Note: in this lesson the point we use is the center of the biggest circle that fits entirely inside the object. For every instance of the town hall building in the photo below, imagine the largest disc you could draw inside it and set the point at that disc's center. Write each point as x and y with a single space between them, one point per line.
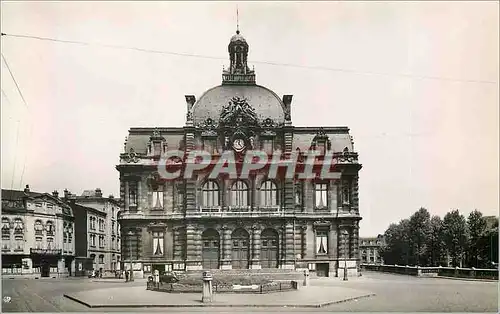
203 223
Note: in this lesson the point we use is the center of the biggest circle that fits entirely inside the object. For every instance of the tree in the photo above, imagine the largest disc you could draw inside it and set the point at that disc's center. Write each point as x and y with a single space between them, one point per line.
419 234
455 236
436 242
396 250
476 227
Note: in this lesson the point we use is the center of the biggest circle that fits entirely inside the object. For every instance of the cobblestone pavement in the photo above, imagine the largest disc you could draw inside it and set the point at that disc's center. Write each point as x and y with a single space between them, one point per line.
393 293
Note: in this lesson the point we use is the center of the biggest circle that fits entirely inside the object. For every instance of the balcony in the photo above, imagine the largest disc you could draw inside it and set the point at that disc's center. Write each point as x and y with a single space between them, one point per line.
46 251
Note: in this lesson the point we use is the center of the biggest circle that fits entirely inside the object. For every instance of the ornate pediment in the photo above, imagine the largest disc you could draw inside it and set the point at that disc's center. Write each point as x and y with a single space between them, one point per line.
131 156
209 127
238 113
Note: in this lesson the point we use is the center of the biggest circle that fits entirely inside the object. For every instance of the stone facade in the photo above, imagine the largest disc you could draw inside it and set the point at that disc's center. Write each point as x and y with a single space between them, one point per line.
97 231
224 223
38 237
369 249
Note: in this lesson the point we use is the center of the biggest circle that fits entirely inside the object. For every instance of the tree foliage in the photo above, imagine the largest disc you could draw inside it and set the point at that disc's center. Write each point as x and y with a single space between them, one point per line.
452 241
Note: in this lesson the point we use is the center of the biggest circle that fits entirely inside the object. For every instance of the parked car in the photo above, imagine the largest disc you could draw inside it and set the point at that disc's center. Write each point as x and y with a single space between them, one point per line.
168 277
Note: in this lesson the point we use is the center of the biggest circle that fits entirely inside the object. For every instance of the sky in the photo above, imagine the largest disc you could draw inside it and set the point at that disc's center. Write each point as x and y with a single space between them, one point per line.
416 83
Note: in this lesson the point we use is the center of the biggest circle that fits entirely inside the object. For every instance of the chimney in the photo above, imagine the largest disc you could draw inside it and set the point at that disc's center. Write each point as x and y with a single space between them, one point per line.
190 100
27 189
98 192
55 193
66 193
111 196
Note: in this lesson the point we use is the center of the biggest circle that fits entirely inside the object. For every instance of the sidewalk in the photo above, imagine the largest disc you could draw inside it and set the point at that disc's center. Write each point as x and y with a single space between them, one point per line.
138 296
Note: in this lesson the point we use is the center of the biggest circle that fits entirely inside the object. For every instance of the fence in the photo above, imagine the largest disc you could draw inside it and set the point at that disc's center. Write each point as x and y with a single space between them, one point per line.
457 272
226 288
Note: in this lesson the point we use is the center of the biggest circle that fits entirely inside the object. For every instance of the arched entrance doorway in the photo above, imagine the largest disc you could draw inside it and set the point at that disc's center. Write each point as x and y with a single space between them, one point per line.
241 250
210 252
269 249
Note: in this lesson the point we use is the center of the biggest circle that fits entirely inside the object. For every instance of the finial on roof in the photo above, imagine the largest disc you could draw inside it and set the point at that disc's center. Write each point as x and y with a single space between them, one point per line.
237 21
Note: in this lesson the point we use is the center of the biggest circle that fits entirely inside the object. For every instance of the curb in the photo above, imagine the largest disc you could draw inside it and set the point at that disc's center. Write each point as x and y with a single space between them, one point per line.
320 305
467 279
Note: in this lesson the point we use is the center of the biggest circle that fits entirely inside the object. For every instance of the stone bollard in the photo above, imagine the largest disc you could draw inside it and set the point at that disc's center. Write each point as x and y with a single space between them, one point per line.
306 278
207 287
156 278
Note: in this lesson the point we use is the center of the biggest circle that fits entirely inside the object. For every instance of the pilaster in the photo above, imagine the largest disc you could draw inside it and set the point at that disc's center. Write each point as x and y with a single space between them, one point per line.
255 262
289 239
226 249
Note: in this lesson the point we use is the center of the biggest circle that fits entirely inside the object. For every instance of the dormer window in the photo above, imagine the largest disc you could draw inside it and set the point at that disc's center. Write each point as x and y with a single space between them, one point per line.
267 145
346 192
5 228
132 193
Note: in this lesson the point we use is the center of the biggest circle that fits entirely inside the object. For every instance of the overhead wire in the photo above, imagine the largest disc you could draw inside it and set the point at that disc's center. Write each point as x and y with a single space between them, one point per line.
323 68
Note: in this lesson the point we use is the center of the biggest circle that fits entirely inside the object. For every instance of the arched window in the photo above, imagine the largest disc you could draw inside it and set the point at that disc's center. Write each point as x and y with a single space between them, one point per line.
210 194
268 194
38 227
239 194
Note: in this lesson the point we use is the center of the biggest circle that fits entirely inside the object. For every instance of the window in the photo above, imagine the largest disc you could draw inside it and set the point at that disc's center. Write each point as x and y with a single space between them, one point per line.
101 225
50 243
210 145
239 194
113 243
50 206
158 243
65 237
132 193
158 196
321 147
49 227
92 240
5 228
210 194
101 241
112 227
268 194
321 195
38 227
18 226
19 243
101 259
321 242
268 145
38 243
38 204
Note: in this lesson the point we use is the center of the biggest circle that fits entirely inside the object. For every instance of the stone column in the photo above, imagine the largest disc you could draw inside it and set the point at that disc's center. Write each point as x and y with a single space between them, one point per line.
191 248
199 248
127 190
226 249
289 237
304 241
256 247
179 243
355 194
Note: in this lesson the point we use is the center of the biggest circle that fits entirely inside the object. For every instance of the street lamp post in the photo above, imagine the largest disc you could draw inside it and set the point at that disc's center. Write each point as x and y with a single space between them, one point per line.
131 276
345 233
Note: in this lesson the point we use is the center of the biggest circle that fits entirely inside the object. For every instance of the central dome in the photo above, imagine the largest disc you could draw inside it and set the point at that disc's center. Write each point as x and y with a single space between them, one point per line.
265 102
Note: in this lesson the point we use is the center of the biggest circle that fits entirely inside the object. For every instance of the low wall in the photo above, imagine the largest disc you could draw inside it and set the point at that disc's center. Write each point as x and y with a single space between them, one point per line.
226 288
476 273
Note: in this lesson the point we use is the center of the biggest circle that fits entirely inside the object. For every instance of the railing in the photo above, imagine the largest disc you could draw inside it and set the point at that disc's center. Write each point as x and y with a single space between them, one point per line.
237 78
457 272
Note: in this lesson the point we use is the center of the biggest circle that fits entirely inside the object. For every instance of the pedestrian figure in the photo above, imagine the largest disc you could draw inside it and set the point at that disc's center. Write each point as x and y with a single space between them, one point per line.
126 275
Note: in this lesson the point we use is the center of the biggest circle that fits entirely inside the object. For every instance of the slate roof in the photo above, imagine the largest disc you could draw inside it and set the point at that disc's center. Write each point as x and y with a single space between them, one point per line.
265 102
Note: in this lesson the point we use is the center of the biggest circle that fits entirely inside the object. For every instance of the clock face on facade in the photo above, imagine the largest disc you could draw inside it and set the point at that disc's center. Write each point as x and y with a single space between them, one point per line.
239 144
